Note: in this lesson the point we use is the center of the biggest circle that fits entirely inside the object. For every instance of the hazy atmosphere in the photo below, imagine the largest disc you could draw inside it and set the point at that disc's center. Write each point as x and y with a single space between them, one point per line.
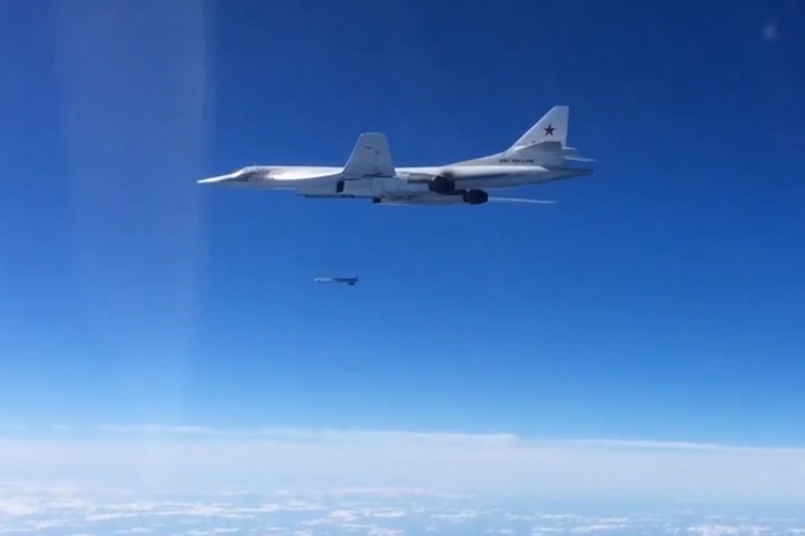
166 355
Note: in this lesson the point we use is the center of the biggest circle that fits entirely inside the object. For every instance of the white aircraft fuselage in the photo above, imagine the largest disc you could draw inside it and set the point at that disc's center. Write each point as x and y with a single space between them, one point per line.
539 156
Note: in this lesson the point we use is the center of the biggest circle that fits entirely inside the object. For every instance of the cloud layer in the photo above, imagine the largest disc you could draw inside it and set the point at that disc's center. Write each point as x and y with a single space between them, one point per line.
51 512
193 456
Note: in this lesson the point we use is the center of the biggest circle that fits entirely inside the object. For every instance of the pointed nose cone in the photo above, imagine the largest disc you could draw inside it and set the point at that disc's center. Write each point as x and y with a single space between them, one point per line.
220 178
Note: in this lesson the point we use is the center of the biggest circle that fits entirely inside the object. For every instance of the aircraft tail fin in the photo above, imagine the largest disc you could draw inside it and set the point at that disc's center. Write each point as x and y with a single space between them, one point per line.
552 127
545 143
370 157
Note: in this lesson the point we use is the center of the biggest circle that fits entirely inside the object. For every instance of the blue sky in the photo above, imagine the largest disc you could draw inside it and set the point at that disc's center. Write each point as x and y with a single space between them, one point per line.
661 299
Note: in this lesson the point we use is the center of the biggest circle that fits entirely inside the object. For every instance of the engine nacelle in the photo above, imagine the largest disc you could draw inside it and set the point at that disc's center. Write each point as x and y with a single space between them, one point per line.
475 197
441 185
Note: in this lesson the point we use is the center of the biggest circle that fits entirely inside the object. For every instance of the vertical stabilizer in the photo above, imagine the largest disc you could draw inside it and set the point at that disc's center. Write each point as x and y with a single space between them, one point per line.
552 127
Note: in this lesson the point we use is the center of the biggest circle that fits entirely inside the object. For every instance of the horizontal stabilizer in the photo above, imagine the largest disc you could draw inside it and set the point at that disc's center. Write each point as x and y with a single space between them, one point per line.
571 153
370 157
546 146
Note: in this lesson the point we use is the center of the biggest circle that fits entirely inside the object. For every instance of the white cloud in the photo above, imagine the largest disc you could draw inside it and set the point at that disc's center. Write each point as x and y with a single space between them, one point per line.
559 517
389 493
344 515
17 507
388 514
457 517
189 457
382 513
540 530
210 532
728 530
597 527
